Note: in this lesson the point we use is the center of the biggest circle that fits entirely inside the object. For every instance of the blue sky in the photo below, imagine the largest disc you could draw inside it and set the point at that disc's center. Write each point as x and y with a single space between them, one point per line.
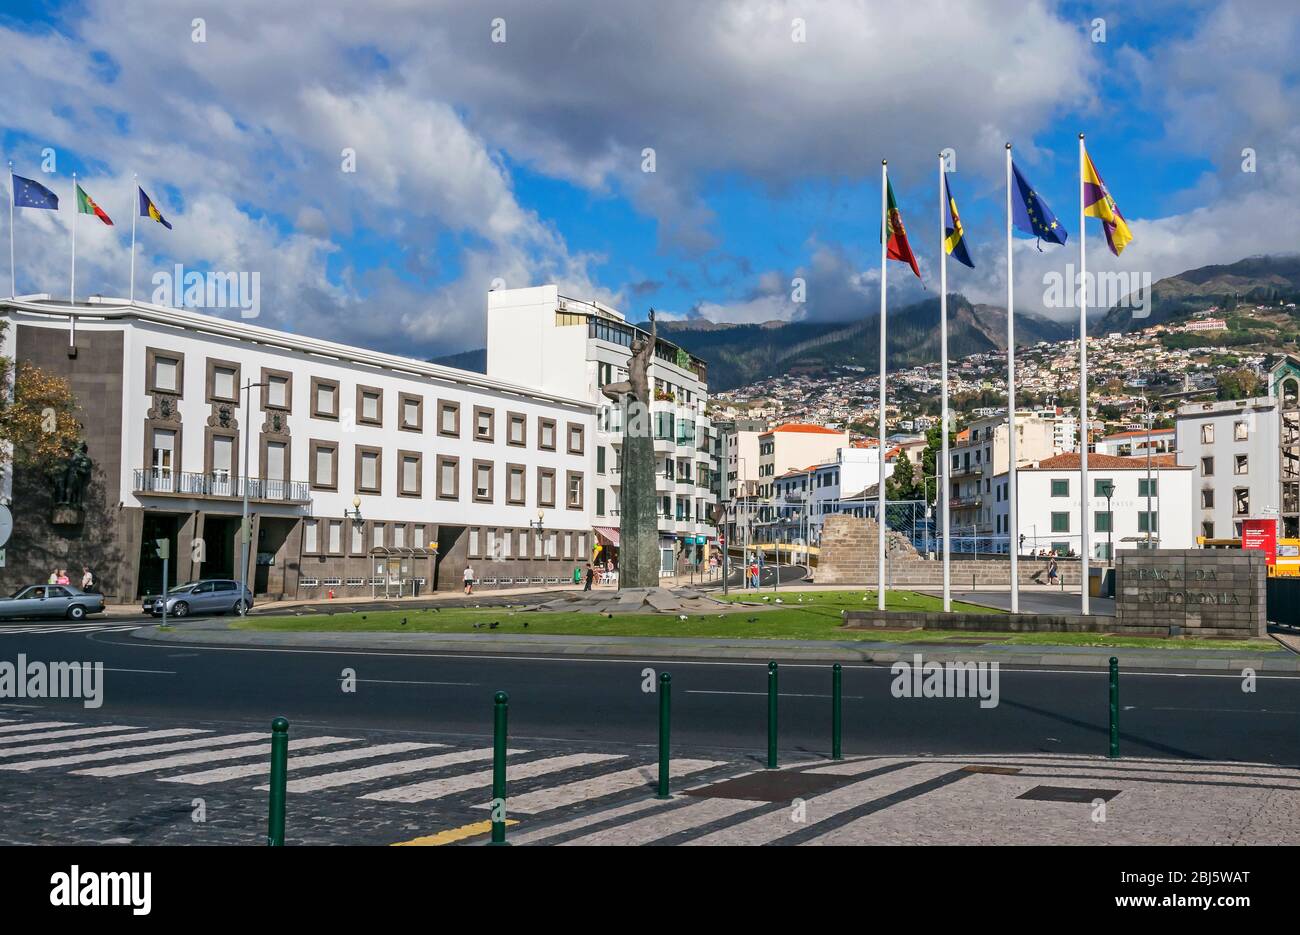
523 160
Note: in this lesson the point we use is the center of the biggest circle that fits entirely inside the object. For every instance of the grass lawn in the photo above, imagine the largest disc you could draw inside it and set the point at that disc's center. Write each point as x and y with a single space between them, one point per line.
810 615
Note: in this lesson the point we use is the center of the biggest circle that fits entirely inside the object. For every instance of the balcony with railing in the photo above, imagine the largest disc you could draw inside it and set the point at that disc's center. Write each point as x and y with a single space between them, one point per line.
218 485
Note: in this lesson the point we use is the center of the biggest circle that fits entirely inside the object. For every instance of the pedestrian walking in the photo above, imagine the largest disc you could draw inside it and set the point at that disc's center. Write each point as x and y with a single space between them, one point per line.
63 577
1051 570
87 579
469 579
591 576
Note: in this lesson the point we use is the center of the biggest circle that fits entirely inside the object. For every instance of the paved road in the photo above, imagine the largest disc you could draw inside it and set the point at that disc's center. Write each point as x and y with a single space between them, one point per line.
588 727
1033 600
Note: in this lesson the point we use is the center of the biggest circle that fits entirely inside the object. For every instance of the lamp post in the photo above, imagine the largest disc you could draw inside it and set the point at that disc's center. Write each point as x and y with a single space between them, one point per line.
244 544
1108 490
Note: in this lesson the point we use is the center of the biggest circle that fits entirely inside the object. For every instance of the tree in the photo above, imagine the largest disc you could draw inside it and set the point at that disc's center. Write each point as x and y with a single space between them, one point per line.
38 424
901 485
930 458
1242 383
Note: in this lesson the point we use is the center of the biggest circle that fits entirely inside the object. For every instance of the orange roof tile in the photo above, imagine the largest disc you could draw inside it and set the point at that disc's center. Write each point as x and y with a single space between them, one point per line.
1070 462
803 427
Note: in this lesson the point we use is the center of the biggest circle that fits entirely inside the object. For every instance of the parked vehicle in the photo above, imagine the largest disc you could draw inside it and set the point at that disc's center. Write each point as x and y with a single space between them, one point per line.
50 600
209 596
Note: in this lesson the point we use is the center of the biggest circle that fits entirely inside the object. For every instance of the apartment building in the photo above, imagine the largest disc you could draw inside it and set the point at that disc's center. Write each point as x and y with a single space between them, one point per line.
1233 449
1138 442
363 469
804 498
980 454
1124 505
572 348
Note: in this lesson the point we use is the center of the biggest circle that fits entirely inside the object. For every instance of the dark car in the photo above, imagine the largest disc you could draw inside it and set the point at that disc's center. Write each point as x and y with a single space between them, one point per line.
208 596
50 600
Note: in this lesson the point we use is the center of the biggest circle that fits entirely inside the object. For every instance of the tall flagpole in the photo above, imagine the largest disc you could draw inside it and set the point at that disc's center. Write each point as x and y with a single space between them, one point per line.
13 276
943 379
1013 528
135 210
72 291
880 490
1084 498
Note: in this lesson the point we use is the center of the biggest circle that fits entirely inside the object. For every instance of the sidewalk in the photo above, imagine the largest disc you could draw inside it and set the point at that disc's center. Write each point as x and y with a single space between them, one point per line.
216 632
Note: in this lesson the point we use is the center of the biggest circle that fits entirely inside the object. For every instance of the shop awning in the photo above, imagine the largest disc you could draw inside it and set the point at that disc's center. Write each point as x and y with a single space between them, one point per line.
608 533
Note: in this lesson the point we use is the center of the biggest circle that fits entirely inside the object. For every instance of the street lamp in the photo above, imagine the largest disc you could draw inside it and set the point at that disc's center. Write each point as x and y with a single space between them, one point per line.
354 514
1108 490
243 526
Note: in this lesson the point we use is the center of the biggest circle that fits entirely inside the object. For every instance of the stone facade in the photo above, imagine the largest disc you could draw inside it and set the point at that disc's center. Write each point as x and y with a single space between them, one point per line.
1194 592
849 556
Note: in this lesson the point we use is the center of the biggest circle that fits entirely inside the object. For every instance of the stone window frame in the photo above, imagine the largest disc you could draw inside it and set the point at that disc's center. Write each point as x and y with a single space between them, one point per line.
358 453
543 472
155 425
352 525
317 383
362 392
581 429
1052 521
402 455
267 374
317 523
382 526
454 406
402 424
313 446
343 537
473 542
544 423
151 355
475 497
210 380
569 477
443 461
492 424
1207 433
513 419
264 443
522 470
210 433
1059 480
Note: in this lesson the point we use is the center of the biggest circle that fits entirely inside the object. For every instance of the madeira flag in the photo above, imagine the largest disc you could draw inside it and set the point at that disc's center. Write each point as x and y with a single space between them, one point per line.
149 210
897 247
1097 203
86 205
954 235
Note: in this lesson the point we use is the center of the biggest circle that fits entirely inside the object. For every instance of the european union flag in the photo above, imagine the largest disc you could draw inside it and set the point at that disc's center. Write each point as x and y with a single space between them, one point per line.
1032 215
32 194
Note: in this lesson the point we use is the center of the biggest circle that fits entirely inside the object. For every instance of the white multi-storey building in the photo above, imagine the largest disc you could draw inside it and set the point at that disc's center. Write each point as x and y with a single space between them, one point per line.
1232 448
360 468
573 348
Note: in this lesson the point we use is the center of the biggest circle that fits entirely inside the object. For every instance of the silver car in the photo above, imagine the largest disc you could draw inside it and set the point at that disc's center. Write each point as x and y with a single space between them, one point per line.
50 600
209 596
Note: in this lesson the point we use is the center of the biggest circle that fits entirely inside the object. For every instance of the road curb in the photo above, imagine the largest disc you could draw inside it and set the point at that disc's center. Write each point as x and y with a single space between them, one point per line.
615 647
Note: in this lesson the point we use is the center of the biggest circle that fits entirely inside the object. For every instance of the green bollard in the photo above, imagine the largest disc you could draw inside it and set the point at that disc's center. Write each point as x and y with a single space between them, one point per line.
665 708
500 709
837 719
279 778
1114 708
771 715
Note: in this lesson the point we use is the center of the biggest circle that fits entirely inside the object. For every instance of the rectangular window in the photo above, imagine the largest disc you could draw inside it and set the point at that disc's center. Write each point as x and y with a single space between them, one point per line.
1146 520
1207 434
448 478
546 487
223 456
517 432
358 538
1239 431
472 548
448 418
1102 485
324 398
600 459
577 438
1147 487
504 543
1241 501
411 413
573 489
1207 529
418 541
166 374
1060 488
277 391
377 535
1207 499
1241 464
1060 522
1207 467
276 454
482 481
483 423
399 536
310 545
546 434
600 501
370 405
515 479
336 536
369 468
324 465
1101 521
409 482
224 380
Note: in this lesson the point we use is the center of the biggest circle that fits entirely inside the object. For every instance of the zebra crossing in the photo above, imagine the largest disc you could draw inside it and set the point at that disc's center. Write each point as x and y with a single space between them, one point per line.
104 626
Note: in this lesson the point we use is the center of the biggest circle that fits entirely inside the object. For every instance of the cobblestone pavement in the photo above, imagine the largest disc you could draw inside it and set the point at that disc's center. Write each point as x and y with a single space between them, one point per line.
87 780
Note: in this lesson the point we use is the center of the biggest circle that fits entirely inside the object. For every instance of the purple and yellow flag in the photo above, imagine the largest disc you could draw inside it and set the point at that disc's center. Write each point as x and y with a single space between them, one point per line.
1097 203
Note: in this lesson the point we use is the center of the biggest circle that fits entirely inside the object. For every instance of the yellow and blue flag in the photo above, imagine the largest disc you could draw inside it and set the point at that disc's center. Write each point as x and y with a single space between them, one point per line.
1031 214
149 210
954 235
1097 203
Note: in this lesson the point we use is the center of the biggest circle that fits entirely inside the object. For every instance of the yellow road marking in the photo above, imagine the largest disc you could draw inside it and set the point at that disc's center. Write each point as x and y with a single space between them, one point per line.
452 835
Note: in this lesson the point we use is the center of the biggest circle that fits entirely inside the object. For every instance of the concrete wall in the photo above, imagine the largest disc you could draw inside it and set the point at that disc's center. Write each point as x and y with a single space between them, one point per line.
1194 592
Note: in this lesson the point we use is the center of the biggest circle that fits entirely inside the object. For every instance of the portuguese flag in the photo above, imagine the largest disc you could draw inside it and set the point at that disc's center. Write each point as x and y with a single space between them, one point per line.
897 247
86 205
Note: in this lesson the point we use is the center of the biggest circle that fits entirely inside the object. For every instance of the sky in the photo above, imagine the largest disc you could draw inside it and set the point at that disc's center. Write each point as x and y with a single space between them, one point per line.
382 166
